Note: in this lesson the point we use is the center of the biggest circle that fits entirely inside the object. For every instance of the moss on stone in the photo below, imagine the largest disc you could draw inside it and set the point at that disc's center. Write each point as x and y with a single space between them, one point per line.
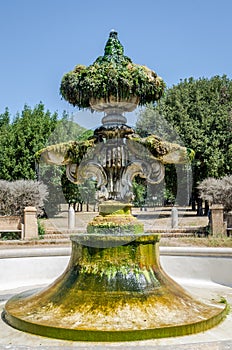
111 75
111 207
114 228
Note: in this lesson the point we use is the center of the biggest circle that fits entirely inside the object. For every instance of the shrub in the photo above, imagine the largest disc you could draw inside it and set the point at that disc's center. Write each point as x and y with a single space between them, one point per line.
41 229
217 191
16 195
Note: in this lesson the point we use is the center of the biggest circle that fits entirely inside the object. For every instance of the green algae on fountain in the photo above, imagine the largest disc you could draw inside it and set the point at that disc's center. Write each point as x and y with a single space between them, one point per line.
112 77
115 218
113 288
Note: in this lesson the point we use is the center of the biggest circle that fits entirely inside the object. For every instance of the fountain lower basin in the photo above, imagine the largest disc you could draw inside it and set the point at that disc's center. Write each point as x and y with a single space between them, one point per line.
113 289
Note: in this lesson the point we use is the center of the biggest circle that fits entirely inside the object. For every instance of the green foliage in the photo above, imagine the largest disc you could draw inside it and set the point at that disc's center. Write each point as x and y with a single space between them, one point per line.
83 193
20 140
166 152
139 191
77 150
31 130
79 194
10 236
41 229
51 175
6 150
86 135
71 191
113 50
88 191
150 121
66 129
4 119
200 112
111 75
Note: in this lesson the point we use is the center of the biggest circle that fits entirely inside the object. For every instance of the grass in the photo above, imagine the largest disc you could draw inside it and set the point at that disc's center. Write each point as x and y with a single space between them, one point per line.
210 241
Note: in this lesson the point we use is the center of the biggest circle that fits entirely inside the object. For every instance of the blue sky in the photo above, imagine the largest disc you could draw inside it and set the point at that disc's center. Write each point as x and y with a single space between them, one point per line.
43 39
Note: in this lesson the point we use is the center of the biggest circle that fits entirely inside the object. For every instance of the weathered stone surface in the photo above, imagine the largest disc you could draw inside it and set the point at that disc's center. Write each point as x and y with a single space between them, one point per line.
217 220
30 223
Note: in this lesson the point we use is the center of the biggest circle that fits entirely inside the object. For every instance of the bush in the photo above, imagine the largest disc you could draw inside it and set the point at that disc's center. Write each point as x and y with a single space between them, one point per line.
217 191
16 195
10 236
41 229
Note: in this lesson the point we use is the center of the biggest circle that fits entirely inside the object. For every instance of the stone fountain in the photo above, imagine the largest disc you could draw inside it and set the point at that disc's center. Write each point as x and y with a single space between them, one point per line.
114 288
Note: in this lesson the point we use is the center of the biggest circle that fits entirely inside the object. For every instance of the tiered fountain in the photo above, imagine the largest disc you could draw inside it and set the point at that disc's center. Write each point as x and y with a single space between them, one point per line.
114 288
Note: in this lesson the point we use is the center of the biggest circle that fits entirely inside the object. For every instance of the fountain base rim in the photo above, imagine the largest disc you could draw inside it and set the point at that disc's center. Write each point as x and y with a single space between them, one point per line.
218 313
114 335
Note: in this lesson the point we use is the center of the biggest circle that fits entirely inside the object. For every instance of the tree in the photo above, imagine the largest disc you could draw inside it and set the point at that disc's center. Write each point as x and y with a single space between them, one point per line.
4 119
31 130
27 133
139 191
150 121
88 192
66 129
60 189
200 112
6 148
71 192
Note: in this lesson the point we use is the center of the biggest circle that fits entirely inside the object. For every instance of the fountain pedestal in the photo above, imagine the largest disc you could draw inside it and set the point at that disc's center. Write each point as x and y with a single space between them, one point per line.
113 289
115 218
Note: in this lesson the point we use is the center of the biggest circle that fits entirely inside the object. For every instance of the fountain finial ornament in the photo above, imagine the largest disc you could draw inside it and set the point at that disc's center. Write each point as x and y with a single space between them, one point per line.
111 78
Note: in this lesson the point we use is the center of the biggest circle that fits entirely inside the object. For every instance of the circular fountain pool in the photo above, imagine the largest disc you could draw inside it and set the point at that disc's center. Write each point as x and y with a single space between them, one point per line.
204 272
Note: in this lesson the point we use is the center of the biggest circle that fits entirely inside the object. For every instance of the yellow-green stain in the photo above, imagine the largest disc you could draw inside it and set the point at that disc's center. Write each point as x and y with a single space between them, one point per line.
115 218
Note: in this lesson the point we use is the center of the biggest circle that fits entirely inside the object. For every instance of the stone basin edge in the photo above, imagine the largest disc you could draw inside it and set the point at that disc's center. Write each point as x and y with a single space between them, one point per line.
66 251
